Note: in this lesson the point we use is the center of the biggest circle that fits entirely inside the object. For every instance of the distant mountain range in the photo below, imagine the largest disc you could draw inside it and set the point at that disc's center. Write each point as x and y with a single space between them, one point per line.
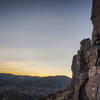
37 82
31 86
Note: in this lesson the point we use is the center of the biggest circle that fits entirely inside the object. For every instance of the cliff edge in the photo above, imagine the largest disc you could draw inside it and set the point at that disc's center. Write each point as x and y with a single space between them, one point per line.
85 66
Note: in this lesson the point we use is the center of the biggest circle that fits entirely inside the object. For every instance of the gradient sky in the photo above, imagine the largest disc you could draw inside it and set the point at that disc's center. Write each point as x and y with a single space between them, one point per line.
40 37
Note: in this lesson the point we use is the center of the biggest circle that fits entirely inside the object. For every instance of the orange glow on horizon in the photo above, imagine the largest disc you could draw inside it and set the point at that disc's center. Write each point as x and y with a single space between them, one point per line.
26 69
32 74
38 75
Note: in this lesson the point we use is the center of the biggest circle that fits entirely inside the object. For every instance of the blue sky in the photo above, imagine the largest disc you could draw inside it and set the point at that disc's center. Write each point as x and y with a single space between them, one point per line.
40 37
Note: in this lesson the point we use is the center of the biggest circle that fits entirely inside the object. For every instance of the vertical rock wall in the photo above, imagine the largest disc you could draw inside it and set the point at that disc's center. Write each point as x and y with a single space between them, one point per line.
80 69
95 17
86 64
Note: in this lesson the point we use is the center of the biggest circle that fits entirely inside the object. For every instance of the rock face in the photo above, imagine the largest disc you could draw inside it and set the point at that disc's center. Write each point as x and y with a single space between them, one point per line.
93 85
80 68
95 17
86 65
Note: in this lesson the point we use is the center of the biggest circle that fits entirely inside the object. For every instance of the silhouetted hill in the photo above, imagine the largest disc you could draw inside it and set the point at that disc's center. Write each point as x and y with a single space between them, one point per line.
37 82
16 86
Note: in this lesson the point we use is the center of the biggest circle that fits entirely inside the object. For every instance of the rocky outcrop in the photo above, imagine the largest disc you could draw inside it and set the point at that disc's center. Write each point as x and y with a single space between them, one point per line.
86 65
88 62
95 17
80 68
93 84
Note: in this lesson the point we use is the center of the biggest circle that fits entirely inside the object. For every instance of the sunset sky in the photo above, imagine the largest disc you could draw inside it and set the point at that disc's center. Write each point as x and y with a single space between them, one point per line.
40 37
